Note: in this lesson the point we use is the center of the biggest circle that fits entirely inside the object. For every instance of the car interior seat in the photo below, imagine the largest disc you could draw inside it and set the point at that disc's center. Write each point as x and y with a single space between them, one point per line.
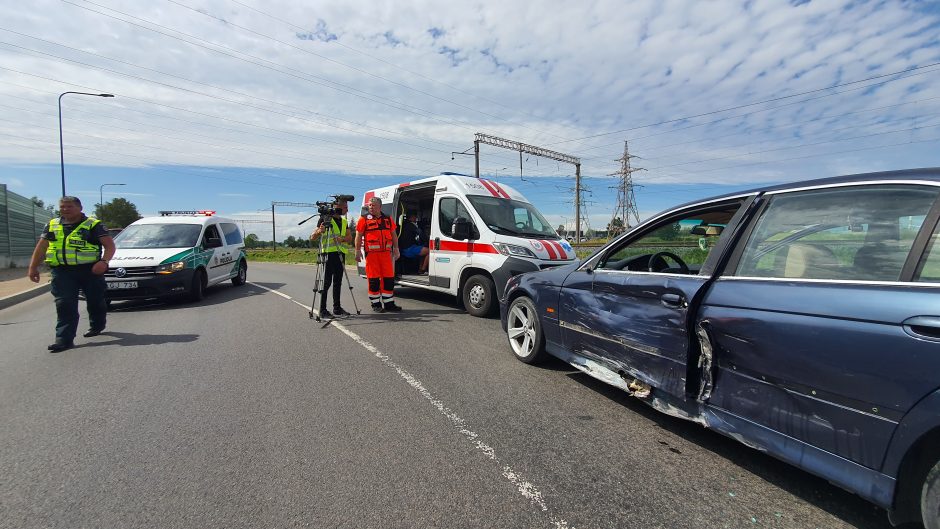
809 261
880 261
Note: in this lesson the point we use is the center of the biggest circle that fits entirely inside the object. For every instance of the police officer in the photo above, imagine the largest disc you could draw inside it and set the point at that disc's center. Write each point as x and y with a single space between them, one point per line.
334 247
375 233
72 245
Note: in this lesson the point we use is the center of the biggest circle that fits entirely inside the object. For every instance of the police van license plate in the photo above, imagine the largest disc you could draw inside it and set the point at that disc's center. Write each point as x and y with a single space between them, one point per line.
116 285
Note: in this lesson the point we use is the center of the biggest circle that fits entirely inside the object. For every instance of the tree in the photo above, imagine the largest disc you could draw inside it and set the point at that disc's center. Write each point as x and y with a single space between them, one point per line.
561 229
615 226
40 204
252 241
117 213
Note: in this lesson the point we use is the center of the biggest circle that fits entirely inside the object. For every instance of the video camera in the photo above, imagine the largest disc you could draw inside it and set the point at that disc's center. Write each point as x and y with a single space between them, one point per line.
332 208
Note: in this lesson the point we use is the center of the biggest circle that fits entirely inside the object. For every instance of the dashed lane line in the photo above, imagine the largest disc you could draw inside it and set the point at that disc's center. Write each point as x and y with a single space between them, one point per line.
524 487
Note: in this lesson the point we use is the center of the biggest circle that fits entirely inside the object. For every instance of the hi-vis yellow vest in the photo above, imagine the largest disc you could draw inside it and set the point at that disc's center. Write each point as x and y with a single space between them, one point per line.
329 242
74 249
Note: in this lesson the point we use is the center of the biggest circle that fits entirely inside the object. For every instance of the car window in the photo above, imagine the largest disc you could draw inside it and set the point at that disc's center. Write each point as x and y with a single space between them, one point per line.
690 237
158 236
929 268
450 209
851 233
211 233
231 232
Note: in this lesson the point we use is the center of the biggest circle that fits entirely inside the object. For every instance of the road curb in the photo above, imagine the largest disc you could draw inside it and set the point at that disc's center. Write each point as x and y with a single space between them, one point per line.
9 301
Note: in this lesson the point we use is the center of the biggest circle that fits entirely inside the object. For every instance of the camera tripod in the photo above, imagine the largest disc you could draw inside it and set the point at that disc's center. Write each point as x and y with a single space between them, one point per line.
320 270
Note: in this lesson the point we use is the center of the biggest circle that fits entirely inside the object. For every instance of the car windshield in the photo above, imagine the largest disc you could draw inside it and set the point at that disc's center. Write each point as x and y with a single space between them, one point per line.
158 236
512 217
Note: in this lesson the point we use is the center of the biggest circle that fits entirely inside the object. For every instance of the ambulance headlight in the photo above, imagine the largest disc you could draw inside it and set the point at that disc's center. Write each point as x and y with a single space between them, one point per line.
169 268
512 249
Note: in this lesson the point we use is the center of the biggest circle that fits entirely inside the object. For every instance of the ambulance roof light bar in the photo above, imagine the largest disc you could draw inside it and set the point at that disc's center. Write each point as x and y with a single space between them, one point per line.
200 213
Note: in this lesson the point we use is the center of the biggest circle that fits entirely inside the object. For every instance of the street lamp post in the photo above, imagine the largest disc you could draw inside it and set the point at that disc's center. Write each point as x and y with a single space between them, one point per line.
101 193
61 150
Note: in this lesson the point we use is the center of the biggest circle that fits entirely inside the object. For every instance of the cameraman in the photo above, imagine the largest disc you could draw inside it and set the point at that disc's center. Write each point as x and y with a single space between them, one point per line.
334 247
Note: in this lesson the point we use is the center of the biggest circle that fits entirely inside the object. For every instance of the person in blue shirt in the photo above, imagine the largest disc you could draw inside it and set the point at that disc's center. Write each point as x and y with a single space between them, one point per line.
410 242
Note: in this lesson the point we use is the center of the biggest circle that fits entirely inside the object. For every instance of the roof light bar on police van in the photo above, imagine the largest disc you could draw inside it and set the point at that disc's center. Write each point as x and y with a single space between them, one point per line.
200 213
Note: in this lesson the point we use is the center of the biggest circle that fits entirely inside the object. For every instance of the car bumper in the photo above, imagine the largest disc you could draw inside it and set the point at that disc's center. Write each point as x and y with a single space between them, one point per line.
150 286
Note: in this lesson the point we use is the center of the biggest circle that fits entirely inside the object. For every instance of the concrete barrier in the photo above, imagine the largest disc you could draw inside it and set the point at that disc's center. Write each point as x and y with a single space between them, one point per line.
19 297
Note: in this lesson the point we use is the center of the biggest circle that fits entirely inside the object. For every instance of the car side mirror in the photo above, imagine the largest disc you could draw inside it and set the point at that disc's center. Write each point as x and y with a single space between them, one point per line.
213 242
461 229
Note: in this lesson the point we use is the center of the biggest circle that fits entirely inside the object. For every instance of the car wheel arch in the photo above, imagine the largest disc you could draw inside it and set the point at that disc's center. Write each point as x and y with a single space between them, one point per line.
920 457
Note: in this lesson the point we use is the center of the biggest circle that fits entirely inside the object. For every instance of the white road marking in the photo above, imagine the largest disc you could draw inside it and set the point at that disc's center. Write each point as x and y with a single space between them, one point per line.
525 488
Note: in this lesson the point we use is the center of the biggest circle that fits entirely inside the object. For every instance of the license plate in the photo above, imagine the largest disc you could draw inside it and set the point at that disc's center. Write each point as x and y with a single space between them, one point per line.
115 285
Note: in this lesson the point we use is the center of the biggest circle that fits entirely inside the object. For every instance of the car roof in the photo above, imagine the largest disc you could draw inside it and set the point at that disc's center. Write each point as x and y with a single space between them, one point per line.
182 219
931 174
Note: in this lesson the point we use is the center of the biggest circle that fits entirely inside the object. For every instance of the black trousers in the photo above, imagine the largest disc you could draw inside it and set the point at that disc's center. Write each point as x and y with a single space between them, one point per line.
66 282
333 275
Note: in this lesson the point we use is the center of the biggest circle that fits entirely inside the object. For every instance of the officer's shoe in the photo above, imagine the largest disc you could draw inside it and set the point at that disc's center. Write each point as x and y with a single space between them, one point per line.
338 311
392 307
60 346
376 307
93 332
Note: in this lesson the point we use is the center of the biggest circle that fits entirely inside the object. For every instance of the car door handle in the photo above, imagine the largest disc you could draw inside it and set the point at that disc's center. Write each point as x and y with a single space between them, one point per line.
923 327
673 300
437 243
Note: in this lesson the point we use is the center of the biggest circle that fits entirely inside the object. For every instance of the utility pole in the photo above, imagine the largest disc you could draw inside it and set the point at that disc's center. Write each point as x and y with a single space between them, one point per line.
538 151
626 201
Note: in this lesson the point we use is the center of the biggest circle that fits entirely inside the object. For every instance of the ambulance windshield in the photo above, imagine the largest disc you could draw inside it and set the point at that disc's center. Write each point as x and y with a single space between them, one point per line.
512 217
158 236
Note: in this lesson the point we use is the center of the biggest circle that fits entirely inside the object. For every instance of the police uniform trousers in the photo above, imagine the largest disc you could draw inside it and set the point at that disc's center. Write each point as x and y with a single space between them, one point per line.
381 274
67 280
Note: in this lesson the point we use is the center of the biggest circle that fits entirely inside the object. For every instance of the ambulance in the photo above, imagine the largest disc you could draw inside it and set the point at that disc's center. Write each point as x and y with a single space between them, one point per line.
479 233
178 254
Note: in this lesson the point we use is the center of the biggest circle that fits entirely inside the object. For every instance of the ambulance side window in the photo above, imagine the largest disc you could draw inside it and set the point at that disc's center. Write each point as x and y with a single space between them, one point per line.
450 209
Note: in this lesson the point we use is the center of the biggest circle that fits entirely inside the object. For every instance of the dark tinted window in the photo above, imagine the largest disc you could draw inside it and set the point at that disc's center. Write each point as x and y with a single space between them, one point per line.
211 233
450 209
232 233
849 233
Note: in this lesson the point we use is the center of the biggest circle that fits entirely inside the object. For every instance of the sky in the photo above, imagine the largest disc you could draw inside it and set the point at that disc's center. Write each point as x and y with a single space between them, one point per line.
231 105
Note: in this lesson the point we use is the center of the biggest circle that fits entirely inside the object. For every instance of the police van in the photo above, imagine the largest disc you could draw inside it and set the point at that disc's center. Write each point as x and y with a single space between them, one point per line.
178 254
479 233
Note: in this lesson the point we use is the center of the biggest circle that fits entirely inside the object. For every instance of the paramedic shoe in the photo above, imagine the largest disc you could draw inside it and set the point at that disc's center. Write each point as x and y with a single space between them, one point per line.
377 308
93 332
338 311
60 346
392 307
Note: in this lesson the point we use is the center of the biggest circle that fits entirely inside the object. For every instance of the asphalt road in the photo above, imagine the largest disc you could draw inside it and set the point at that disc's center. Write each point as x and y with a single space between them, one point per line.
240 411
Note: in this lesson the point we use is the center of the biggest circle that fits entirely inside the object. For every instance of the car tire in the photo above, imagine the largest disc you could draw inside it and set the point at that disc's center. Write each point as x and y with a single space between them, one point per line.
197 289
479 296
930 498
242 276
524 330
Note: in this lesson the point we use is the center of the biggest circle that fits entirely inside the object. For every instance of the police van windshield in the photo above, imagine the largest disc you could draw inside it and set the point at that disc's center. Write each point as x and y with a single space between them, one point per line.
512 217
158 236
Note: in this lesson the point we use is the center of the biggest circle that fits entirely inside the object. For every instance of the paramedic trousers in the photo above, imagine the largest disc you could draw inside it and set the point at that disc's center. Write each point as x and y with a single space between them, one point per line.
381 274
332 274
66 282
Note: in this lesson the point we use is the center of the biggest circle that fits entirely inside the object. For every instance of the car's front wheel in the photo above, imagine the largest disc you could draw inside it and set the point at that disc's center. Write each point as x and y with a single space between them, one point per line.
197 290
479 295
525 331
930 498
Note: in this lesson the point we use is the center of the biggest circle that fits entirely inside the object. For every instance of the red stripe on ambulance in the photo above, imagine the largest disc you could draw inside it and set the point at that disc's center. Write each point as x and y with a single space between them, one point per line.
489 187
467 247
561 251
550 249
498 188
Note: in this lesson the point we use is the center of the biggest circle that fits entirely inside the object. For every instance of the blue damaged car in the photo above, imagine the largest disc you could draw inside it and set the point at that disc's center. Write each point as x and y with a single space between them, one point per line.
802 320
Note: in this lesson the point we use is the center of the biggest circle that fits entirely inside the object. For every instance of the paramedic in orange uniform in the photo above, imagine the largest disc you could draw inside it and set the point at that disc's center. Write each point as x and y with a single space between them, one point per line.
375 235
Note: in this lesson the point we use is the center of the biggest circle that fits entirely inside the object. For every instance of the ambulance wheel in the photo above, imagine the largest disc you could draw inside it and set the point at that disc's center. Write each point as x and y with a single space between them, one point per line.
525 331
479 295
197 290
242 274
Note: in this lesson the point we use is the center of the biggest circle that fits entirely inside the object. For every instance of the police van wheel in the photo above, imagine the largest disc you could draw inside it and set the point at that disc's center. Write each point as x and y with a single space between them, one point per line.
479 296
930 498
242 274
197 290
